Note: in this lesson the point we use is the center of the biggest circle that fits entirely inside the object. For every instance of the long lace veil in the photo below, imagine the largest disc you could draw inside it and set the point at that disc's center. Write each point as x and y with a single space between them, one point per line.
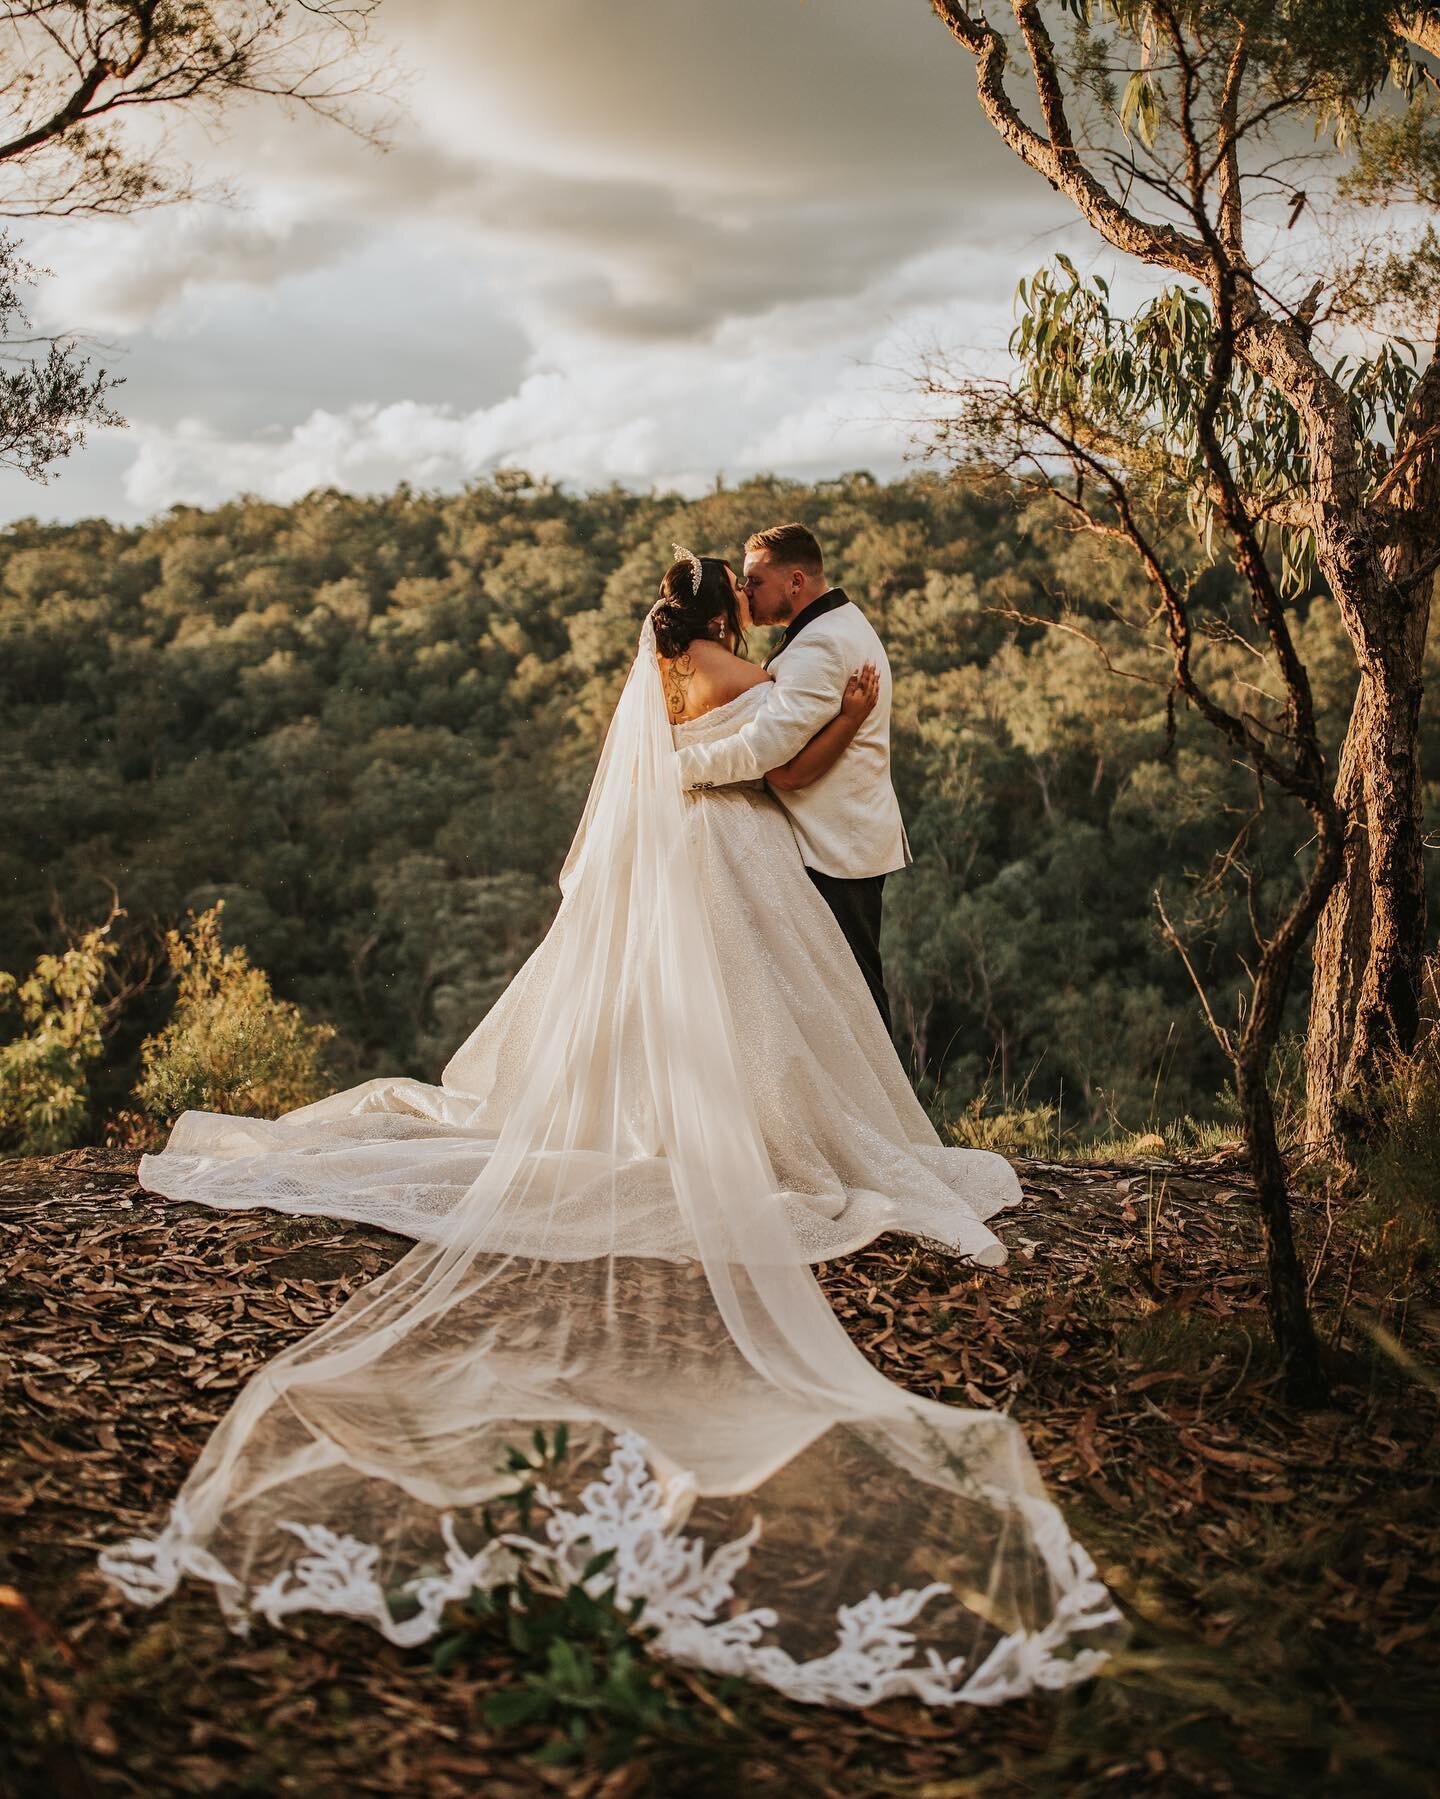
620 1267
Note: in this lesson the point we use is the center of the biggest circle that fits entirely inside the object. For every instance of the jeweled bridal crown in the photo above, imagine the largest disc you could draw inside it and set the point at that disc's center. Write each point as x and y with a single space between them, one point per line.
683 555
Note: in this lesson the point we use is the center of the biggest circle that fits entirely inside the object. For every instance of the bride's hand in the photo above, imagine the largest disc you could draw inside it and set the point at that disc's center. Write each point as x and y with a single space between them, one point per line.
861 692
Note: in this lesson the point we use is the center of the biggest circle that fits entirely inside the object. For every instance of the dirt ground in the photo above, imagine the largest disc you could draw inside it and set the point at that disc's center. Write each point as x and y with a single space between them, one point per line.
1281 1570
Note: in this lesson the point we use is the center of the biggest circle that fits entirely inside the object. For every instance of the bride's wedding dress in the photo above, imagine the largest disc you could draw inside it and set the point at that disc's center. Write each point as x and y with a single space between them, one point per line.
852 1150
684 1097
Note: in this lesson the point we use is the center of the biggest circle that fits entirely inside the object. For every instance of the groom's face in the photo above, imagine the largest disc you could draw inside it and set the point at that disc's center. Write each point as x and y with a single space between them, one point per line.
772 588
742 599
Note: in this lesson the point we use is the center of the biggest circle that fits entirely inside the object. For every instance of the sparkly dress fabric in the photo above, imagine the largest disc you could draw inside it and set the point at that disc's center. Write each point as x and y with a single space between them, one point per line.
853 1151
684 1098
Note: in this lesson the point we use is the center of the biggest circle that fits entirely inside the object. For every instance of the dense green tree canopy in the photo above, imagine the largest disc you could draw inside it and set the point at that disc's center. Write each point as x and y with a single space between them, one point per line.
368 725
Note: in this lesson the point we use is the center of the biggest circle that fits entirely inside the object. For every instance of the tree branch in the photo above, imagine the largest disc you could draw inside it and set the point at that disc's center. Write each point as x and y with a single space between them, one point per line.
1224 278
1227 157
1176 942
1419 28
1273 349
1059 163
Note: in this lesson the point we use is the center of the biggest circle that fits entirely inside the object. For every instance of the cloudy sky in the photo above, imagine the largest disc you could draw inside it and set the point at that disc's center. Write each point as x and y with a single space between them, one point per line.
649 241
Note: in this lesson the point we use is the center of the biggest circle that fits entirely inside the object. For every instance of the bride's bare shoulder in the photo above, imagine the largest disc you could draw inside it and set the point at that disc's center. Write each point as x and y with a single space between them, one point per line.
705 675
721 675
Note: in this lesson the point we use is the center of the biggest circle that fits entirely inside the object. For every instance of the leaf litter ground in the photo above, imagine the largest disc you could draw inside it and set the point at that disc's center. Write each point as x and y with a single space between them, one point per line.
1280 1569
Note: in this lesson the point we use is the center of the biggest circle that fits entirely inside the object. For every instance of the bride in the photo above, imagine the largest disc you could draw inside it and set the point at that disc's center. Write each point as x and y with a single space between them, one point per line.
683 1099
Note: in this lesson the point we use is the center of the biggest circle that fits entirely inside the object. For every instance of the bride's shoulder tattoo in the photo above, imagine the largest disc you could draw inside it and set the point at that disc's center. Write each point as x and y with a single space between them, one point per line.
678 676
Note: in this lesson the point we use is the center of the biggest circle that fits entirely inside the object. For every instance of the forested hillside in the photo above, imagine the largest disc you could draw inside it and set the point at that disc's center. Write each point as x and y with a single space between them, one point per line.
368 725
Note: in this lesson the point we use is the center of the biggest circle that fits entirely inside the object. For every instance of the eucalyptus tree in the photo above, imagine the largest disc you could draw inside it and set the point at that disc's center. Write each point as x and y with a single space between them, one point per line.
1277 162
47 401
76 79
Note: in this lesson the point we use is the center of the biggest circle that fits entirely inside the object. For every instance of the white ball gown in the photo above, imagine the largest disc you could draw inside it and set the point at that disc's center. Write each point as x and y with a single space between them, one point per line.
683 1099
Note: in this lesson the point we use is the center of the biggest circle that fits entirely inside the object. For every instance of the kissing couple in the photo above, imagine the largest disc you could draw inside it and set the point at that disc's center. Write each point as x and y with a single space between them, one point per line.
685 1098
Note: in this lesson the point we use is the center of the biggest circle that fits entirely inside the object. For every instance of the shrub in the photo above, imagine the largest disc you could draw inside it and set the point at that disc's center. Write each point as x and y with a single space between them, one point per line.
230 1045
44 1098
1018 1130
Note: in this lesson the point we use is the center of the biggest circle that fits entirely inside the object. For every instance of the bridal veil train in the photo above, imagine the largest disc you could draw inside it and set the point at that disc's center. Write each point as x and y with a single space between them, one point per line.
615 1213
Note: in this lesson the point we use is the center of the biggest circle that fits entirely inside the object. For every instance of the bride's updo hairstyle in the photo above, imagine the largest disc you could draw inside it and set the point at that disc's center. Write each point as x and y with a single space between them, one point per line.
682 614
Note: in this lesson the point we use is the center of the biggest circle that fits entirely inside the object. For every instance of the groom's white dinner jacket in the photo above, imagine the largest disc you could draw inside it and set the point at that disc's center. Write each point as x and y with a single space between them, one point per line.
848 822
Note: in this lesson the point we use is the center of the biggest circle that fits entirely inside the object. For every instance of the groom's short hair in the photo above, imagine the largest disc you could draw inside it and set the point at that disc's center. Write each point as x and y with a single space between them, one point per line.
793 545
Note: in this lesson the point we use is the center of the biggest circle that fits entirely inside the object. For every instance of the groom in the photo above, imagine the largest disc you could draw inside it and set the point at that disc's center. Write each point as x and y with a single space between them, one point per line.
848 822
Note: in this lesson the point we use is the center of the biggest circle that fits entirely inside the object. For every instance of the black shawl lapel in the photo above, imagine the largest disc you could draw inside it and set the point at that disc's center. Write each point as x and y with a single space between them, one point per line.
827 602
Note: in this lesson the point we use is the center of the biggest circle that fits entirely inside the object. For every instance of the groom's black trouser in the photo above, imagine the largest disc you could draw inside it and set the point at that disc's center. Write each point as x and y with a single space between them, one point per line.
856 905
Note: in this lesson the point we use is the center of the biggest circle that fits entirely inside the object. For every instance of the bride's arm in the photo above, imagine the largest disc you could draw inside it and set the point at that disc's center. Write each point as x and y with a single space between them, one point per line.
829 743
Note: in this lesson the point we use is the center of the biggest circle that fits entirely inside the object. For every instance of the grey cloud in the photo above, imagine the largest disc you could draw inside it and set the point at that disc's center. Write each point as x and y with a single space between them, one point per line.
645 256
711 152
182 252
654 267
638 258
652 171
723 175
797 96
379 327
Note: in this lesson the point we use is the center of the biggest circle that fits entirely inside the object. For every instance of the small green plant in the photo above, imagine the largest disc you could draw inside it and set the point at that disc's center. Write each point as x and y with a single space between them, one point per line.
231 1045
1021 1131
579 1665
577 1657
1286 1077
44 1097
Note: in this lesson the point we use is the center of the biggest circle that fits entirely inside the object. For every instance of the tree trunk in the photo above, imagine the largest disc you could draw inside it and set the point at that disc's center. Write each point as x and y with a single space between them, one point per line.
1285 1295
1370 943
